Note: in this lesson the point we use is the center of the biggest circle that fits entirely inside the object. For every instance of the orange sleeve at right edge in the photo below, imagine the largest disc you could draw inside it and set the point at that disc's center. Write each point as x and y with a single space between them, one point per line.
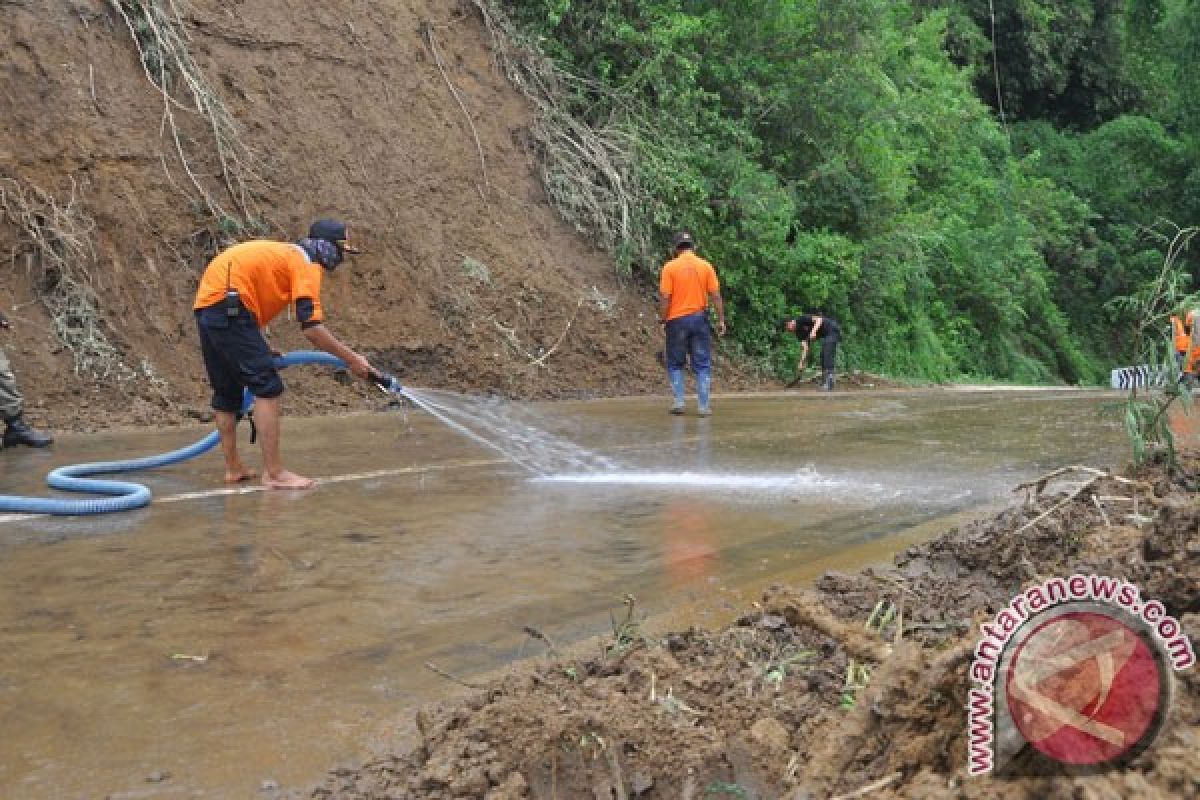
306 282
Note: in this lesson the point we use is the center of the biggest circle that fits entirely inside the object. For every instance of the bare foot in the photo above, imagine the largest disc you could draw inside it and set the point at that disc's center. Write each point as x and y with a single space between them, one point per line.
287 480
239 475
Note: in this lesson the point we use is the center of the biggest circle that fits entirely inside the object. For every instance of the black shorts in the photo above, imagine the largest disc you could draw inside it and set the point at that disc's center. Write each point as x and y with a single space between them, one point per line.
236 357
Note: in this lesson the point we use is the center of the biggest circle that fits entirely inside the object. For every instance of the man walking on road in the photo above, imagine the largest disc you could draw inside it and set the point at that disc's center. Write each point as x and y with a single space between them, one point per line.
242 290
687 285
16 430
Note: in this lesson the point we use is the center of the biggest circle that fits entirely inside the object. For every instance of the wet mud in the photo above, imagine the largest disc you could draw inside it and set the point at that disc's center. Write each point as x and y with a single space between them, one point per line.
762 709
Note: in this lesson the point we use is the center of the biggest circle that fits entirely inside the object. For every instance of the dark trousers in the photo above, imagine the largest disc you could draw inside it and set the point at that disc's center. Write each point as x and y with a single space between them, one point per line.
691 337
829 352
236 357
10 395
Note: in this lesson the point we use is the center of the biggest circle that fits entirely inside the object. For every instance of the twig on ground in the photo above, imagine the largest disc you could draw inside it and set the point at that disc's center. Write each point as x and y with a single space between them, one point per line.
510 338
449 677
536 634
92 86
913 627
870 787
1065 501
1039 484
540 360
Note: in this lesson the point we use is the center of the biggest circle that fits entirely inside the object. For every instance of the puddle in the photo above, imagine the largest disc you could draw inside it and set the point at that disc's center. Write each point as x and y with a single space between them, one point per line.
230 637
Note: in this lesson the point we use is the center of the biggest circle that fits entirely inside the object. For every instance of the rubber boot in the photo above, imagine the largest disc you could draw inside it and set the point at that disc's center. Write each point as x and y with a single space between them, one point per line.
827 381
703 387
19 432
676 376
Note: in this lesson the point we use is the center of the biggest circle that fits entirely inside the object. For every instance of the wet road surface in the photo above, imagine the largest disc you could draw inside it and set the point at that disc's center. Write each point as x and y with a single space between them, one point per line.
223 638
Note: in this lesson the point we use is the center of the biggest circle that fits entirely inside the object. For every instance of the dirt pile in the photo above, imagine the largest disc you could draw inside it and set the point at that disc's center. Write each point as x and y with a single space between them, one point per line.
390 115
860 682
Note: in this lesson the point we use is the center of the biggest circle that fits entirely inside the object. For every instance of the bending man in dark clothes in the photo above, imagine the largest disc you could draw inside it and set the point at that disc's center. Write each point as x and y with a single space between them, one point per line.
808 327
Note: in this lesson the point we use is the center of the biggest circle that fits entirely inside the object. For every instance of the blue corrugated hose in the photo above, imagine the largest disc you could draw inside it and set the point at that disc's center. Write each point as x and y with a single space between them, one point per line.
127 496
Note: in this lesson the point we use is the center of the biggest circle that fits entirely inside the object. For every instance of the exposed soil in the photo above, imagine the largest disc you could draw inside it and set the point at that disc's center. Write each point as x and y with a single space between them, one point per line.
759 709
469 281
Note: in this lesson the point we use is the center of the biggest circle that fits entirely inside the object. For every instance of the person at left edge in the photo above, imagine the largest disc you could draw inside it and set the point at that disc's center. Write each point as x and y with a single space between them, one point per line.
243 288
16 429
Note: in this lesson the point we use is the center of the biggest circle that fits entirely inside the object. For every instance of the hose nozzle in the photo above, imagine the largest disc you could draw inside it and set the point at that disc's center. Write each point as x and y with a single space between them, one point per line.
386 382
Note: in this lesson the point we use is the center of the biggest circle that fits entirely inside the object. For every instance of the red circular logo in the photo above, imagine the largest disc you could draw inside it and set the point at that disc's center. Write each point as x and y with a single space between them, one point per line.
1084 688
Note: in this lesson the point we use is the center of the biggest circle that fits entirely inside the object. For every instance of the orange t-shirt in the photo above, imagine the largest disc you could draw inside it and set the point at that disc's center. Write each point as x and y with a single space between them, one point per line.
268 276
688 279
1182 335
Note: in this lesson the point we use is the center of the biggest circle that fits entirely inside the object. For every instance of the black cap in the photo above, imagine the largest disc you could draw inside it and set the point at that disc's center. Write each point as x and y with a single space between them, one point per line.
683 239
331 230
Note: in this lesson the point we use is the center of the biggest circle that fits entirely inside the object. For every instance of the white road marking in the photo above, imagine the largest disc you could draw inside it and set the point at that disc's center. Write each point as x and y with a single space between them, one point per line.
250 489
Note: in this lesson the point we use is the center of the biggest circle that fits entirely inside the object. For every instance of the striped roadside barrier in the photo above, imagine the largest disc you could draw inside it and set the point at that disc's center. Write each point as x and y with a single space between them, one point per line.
1140 377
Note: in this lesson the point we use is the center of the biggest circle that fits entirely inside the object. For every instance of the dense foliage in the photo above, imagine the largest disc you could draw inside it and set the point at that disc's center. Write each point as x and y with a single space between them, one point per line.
962 210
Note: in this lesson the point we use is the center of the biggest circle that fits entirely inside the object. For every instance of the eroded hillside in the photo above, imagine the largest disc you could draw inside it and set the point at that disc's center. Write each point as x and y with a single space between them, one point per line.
391 115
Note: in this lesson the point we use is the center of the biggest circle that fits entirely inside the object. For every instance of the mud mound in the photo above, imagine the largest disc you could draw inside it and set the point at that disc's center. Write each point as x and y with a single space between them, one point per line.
860 682
391 115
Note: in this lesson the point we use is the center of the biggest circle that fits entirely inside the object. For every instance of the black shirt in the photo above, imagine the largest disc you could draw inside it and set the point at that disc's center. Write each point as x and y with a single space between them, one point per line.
829 327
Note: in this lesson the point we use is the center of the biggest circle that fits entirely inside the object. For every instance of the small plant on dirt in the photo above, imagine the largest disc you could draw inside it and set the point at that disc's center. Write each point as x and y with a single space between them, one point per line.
721 789
857 678
592 742
776 671
476 270
881 616
627 633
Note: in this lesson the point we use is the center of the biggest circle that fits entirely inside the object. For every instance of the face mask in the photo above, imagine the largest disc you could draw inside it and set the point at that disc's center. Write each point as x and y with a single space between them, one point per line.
323 251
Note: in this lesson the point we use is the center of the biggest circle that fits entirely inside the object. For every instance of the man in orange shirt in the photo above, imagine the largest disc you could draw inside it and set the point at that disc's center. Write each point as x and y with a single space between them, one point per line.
686 286
1181 334
241 291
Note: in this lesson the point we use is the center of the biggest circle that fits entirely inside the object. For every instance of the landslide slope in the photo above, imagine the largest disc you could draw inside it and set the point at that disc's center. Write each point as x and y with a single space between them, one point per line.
391 115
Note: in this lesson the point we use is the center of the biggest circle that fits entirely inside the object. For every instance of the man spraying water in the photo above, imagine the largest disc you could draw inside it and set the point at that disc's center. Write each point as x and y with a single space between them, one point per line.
241 291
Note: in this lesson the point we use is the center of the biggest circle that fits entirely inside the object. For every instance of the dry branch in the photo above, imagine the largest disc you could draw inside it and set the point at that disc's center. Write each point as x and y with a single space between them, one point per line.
54 238
163 44
1039 484
540 361
870 787
450 677
431 40
1064 502
589 171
